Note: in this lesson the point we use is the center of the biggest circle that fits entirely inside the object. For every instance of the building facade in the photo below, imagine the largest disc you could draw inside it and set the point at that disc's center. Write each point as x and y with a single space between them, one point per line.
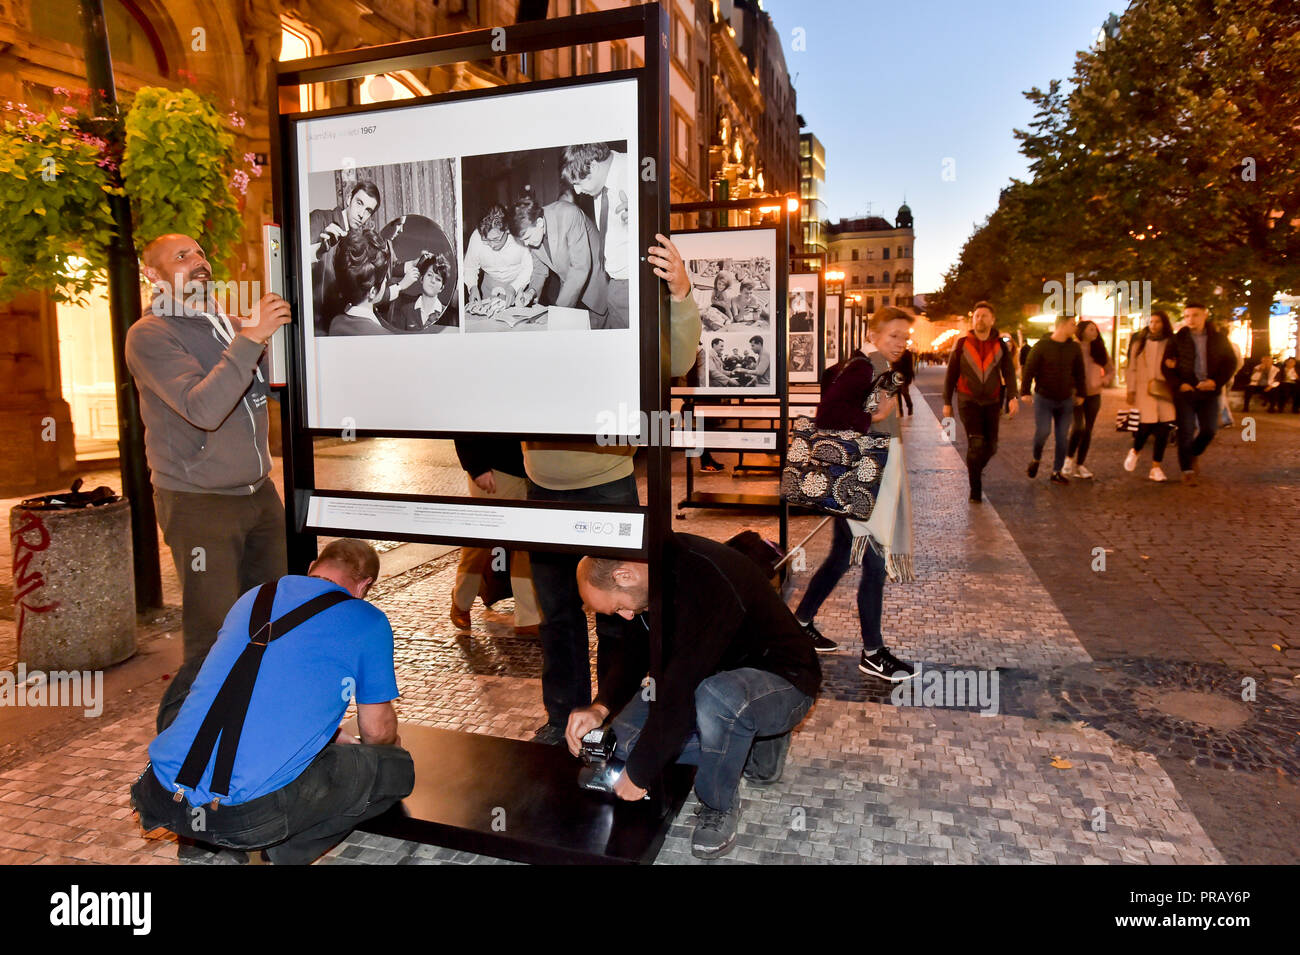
812 180
875 257
732 134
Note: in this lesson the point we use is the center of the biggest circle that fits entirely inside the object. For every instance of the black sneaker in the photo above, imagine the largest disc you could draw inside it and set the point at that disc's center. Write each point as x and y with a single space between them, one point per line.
820 644
550 734
884 665
1032 470
715 832
1059 478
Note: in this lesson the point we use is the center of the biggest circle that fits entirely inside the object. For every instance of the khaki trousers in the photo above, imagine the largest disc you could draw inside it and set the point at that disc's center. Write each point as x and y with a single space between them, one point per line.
476 561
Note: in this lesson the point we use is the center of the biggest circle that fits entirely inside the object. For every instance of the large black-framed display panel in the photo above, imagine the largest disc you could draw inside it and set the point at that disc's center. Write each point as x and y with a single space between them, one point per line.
773 408
813 283
651 211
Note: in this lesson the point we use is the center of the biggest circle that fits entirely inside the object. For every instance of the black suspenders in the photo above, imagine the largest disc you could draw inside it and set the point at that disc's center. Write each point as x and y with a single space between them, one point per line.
229 708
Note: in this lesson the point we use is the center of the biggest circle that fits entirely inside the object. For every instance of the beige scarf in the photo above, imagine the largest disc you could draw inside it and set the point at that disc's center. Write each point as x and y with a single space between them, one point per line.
888 530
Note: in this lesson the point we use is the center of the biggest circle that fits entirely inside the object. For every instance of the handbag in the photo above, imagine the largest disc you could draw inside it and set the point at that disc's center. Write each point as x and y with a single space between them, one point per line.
1160 389
839 472
1127 420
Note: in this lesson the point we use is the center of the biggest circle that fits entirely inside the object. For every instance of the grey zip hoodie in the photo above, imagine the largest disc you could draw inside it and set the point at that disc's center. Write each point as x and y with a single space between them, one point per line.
203 405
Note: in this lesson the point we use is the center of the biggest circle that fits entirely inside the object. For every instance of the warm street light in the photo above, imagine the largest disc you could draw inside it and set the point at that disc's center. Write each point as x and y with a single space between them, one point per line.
792 204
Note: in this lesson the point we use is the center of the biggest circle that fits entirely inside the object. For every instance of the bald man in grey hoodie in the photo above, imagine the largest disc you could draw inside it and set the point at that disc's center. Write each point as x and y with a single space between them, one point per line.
203 394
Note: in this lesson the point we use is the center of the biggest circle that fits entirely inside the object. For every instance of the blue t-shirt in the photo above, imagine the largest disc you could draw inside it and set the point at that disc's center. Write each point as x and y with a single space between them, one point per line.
306 681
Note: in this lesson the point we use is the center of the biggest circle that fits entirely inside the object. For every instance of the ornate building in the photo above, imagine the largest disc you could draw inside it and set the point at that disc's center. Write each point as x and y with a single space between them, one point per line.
875 257
732 122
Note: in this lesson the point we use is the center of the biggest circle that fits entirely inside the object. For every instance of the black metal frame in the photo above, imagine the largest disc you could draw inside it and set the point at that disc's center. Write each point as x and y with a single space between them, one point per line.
648 22
762 502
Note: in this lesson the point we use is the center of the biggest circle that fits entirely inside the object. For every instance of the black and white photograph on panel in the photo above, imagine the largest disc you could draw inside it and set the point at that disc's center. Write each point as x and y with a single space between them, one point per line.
546 238
802 323
510 211
381 243
733 279
832 329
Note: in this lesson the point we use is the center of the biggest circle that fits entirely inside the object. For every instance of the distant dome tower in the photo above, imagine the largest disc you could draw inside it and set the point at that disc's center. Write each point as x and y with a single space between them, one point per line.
904 220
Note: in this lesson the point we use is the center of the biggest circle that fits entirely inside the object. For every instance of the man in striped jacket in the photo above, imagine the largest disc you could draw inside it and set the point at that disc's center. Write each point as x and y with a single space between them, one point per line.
983 373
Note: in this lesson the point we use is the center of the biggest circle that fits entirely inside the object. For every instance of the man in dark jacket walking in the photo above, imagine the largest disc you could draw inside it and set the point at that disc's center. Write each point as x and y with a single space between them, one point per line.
1198 363
983 374
1055 372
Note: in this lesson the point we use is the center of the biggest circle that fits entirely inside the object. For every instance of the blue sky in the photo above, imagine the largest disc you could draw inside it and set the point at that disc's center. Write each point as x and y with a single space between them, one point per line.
892 89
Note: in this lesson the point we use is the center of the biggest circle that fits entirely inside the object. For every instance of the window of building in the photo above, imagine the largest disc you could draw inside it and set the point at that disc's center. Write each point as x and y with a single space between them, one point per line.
871 303
681 41
857 280
298 41
854 254
681 137
871 253
884 253
885 277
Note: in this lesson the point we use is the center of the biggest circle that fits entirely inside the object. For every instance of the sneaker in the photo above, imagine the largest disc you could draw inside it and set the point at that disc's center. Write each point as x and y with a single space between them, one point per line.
1131 460
715 832
820 644
1032 470
1068 467
1080 471
1157 474
460 618
550 734
766 761
883 664
1059 478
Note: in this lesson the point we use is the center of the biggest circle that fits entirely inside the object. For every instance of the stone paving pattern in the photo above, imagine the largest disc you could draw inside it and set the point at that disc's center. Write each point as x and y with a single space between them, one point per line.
867 781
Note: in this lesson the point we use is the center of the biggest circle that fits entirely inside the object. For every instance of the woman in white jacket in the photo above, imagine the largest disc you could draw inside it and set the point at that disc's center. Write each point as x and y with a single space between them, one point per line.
1149 392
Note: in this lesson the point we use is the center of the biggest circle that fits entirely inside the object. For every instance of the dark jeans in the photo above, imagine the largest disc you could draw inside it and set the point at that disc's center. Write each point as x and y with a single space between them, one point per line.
566 659
223 545
1161 432
1085 416
981 424
341 788
871 588
1052 414
736 711
1198 420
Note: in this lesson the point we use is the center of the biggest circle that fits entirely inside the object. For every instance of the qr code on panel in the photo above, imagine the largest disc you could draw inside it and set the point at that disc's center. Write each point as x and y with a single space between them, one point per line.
624 530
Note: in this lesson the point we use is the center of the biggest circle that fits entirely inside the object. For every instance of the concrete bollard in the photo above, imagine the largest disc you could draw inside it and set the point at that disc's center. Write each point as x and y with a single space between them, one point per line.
74 586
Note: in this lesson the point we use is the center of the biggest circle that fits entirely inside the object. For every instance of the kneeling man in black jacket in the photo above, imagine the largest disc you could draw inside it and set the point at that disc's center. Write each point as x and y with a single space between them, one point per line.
739 673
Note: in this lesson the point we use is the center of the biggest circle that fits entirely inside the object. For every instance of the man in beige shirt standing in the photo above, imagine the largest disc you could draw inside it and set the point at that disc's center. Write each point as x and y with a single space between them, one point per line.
570 472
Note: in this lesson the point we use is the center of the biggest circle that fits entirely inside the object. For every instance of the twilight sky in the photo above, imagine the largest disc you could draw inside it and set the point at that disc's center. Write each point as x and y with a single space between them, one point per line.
892 89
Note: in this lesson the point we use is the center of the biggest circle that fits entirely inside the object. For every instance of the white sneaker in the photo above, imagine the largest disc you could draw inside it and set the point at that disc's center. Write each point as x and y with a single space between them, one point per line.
1157 474
1081 472
1131 460
1067 469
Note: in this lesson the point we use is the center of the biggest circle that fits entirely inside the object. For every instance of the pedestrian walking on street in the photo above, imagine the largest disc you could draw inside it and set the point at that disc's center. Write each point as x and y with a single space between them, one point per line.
906 366
1288 388
1150 393
841 408
982 373
1054 370
1098 373
1198 363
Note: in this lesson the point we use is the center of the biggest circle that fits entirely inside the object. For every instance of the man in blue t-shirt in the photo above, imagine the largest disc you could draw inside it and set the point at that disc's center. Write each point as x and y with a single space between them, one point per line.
288 784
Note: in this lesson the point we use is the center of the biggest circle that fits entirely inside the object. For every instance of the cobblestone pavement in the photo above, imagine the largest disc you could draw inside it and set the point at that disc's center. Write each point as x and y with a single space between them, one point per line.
870 778
1196 607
